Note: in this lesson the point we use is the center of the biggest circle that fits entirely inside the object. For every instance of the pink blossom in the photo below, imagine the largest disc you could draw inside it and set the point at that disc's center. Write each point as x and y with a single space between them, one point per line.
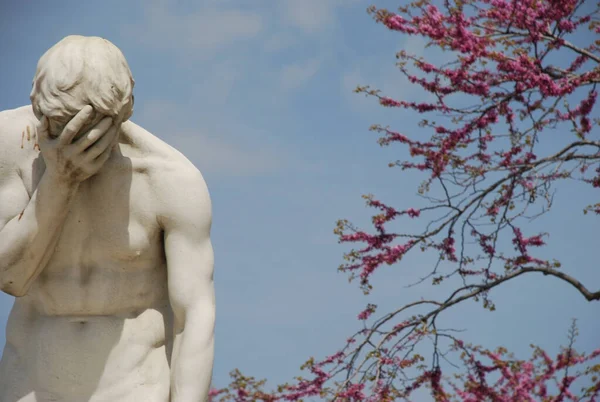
366 313
413 213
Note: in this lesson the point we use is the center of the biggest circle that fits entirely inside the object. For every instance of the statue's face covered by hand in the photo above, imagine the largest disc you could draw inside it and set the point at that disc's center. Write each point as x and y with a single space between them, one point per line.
57 124
80 71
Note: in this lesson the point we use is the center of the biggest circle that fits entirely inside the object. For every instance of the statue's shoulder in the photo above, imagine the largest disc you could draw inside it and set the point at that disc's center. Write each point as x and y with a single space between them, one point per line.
19 118
18 137
162 158
169 171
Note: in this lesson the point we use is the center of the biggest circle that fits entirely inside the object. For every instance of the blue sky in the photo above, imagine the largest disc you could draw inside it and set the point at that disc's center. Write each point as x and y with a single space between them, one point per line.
258 95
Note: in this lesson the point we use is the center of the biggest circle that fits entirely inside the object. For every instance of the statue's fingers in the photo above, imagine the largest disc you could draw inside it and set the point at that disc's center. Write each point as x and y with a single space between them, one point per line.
42 129
76 124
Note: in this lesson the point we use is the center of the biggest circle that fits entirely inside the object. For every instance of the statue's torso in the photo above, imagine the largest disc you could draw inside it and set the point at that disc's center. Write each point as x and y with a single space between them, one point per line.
96 324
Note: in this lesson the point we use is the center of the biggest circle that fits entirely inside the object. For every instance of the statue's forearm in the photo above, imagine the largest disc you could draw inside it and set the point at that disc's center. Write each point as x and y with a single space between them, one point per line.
28 240
191 365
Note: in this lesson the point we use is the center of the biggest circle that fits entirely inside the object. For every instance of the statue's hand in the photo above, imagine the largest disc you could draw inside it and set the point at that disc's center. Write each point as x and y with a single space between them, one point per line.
74 161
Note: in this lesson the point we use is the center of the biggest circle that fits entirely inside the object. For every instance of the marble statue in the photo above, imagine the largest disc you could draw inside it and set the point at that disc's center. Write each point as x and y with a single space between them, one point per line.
104 242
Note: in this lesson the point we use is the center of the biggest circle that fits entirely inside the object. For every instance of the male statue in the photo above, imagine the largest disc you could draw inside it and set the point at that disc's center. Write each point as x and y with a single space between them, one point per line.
104 242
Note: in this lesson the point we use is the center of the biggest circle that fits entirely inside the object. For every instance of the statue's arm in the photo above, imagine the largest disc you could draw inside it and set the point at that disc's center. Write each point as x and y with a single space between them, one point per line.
190 262
29 227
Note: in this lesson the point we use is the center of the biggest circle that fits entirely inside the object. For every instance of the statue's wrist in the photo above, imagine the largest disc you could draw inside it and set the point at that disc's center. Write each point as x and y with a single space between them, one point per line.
62 182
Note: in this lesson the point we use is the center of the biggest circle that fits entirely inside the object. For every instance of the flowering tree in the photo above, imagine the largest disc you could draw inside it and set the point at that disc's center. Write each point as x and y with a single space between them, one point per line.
518 70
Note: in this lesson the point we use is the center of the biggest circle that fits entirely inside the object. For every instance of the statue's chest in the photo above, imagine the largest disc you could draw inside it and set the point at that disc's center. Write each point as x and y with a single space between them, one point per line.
111 224
109 255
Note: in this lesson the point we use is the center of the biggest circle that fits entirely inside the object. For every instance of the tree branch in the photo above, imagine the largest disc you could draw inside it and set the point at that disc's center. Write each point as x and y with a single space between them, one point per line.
571 46
590 296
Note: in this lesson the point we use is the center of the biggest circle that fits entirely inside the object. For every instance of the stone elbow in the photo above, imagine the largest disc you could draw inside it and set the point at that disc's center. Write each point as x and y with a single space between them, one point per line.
15 292
9 286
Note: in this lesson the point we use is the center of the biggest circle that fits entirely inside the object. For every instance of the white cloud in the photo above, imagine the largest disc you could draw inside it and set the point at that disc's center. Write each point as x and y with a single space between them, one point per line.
414 45
351 80
312 15
212 147
205 29
279 41
385 77
295 75
308 15
358 102
217 154
213 85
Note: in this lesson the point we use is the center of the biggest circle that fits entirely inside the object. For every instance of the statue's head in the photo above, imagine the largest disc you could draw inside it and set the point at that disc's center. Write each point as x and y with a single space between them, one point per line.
80 71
